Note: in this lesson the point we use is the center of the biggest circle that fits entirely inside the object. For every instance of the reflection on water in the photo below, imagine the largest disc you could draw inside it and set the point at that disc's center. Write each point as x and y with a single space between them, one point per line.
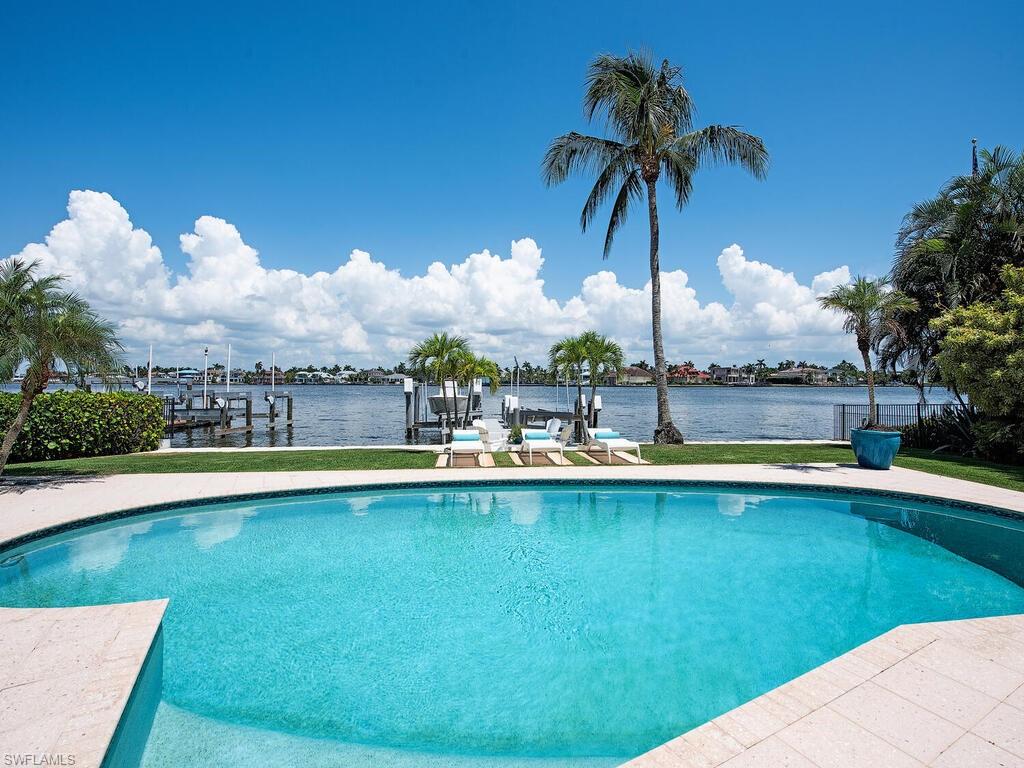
104 550
735 504
993 542
212 528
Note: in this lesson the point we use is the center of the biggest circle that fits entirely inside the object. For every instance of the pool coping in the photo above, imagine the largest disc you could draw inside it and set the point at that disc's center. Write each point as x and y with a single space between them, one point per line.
67 677
21 525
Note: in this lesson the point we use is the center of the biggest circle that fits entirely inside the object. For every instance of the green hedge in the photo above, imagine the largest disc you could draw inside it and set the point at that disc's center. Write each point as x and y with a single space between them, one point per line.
68 425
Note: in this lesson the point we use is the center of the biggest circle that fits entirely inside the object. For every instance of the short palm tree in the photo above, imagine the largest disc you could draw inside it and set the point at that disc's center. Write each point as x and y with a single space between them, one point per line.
41 327
469 368
567 358
650 116
436 356
871 311
603 357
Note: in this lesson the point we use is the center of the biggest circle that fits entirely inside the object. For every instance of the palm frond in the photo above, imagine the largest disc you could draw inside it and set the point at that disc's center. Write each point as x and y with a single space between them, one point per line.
631 190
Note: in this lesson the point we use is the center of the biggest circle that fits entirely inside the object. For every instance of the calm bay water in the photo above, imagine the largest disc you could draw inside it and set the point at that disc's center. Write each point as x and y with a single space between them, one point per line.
375 415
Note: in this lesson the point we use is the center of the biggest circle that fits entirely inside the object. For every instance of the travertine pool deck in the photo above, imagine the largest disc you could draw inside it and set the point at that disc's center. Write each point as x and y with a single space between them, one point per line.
66 675
947 694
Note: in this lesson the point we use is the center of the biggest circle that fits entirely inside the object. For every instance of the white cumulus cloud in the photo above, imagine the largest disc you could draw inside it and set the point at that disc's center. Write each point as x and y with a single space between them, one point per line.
365 312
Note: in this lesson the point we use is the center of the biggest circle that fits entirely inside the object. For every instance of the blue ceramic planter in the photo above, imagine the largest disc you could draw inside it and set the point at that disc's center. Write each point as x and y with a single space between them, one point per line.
873 449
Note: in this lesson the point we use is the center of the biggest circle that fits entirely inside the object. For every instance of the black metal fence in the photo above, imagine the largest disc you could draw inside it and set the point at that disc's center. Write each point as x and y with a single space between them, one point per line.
847 417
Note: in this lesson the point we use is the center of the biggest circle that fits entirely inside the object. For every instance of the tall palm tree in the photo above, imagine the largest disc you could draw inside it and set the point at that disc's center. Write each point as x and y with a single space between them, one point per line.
603 356
436 356
41 327
650 117
468 368
872 312
567 358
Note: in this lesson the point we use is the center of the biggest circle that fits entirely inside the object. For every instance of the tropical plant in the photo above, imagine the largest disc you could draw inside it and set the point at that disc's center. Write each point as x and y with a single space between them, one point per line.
603 357
650 118
69 424
41 327
957 243
468 368
870 309
982 349
567 358
950 252
437 356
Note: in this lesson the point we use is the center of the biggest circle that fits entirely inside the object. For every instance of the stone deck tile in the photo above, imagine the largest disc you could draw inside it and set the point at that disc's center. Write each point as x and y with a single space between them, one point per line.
67 676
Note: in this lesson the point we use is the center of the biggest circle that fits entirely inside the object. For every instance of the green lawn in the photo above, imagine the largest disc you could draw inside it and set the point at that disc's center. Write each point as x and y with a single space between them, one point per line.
231 461
1001 475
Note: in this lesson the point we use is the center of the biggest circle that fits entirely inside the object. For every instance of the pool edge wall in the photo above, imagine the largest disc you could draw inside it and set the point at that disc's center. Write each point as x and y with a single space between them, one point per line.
132 733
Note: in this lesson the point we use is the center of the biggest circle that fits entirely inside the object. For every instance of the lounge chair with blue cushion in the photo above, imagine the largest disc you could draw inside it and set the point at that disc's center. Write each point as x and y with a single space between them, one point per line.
465 441
539 441
608 440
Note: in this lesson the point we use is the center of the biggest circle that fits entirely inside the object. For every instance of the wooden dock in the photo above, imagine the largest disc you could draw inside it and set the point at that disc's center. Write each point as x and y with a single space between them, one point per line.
219 412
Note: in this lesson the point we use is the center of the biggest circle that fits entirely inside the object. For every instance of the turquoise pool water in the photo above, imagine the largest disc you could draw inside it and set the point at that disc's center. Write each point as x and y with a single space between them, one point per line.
508 625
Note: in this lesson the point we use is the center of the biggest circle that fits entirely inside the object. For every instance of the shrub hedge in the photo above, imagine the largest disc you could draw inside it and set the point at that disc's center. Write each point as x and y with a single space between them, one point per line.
69 425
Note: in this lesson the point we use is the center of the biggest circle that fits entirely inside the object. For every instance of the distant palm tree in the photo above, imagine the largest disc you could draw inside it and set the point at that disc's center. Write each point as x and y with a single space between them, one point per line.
436 356
41 326
603 356
871 311
567 358
650 116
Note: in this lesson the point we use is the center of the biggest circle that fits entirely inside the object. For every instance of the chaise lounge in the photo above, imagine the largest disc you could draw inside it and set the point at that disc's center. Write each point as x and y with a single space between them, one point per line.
609 441
539 441
465 442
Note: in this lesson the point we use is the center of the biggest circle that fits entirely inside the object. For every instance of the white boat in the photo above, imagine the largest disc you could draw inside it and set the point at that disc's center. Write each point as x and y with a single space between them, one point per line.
456 402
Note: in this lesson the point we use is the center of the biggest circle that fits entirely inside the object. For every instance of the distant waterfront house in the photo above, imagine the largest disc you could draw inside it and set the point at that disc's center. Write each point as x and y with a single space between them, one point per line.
633 375
687 374
841 377
731 374
816 376
189 374
314 377
265 378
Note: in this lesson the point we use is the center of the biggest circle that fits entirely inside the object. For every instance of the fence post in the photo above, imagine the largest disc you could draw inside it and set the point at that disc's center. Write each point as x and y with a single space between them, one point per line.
842 422
920 428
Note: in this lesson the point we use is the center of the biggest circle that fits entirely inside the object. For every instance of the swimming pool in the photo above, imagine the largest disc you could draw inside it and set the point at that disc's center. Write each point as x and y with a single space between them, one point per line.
509 625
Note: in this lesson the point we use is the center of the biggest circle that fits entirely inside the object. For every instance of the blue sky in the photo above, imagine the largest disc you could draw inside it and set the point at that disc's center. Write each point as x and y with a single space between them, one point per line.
415 132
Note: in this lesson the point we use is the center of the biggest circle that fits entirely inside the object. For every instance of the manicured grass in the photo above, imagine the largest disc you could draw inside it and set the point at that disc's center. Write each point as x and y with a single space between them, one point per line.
760 453
231 461
1002 475
987 472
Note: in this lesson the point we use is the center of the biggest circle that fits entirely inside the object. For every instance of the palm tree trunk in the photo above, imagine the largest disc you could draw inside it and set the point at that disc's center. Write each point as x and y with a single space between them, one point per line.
579 404
444 396
469 403
872 408
666 431
15 429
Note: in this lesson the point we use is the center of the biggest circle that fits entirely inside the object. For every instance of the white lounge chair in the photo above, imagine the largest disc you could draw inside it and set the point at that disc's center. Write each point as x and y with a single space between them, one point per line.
539 441
491 432
609 444
465 442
